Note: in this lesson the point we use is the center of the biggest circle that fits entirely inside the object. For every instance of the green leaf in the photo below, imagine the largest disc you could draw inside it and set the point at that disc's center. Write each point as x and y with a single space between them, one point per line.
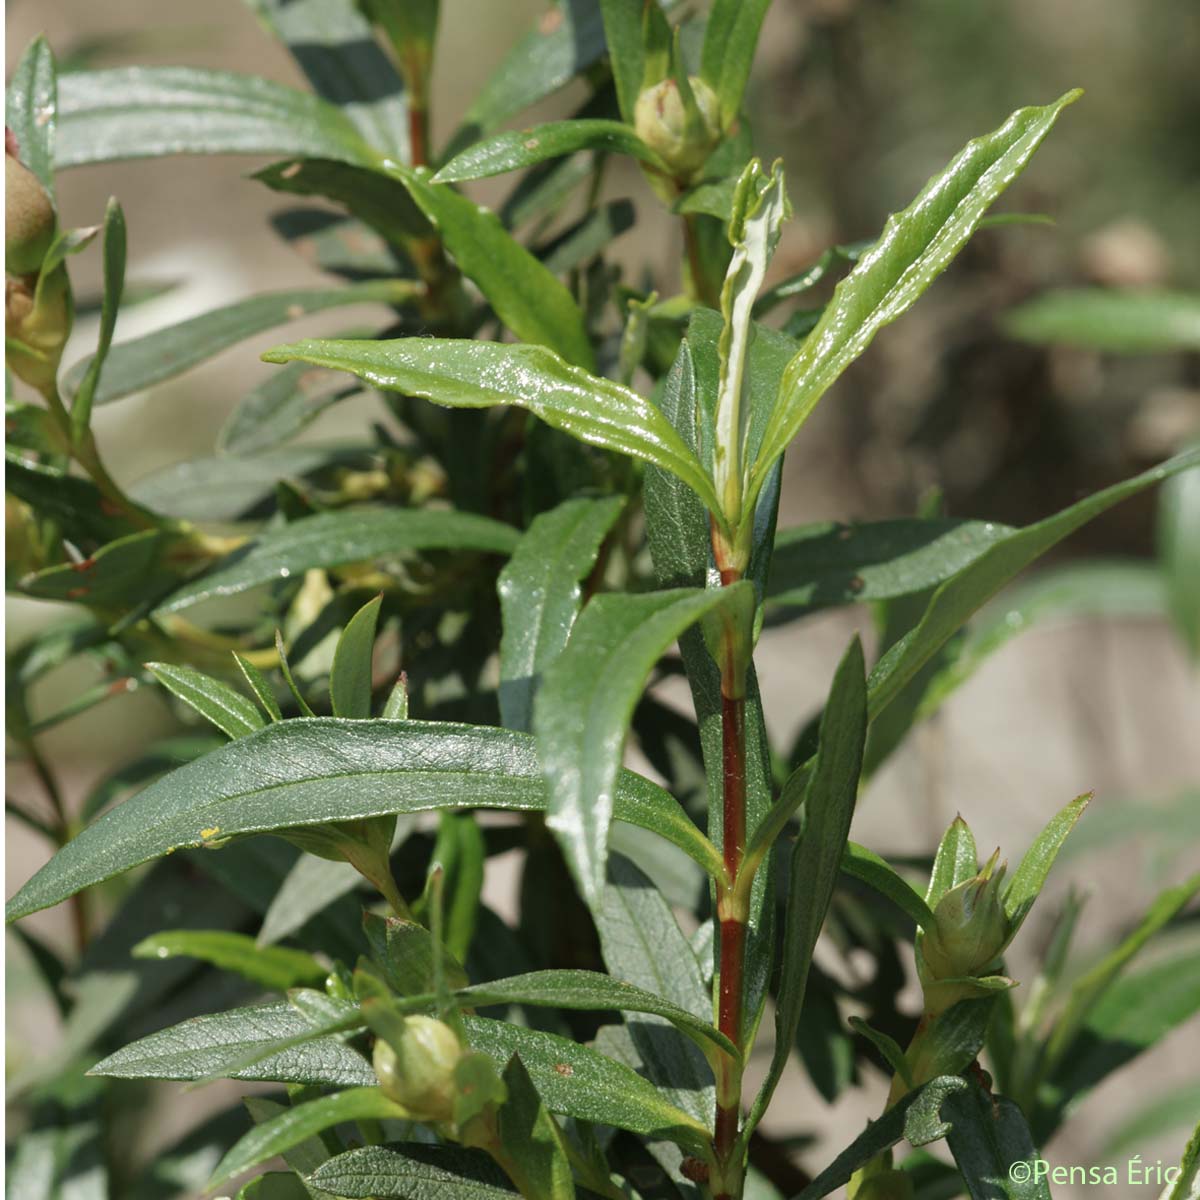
136 365
272 966
310 771
1133 322
535 305
586 701
31 110
730 38
992 1146
514 150
589 238
623 39
887 1046
262 690
817 856
642 944
459 851
217 702
531 1145
1179 552
826 564
280 407
413 1170
203 1045
1030 877
865 865
470 374
586 991
114 283
333 45
975 584
915 247
540 593
1088 990
955 862
309 888
275 1185
146 112
295 1124
335 539
350 677
1186 1185
910 1117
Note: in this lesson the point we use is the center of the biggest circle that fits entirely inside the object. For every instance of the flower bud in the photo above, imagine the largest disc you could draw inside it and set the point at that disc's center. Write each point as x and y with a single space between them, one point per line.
682 135
416 1069
38 313
28 219
971 928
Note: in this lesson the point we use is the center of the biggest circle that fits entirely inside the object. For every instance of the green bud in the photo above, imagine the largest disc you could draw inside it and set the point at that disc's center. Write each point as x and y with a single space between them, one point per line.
28 219
971 929
38 313
416 1068
683 135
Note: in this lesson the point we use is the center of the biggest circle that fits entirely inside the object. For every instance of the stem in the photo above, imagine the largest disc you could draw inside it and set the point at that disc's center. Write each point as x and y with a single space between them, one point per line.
728 1177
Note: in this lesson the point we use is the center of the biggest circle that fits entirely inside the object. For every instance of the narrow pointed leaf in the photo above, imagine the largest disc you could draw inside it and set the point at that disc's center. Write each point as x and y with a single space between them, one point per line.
992 1147
470 374
334 539
816 859
586 991
203 1045
973 586
827 564
532 1146
31 110
955 862
730 39
867 867
350 676
296 1124
534 304
274 967
262 690
142 362
146 112
414 1170
1120 322
1030 877
310 887
334 47
517 149
915 247
540 594
217 702
310 771
1179 552
586 702
114 283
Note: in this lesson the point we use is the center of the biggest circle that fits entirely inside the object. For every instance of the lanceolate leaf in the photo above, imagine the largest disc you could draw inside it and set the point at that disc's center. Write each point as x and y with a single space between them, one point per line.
578 1081
274 967
1179 553
540 593
469 374
203 1045
309 771
817 857
956 860
114 283
583 710
915 247
973 586
585 991
333 45
535 305
531 1144
413 1169
350 676
296 1124
30 110
517 149
336 538
730 38
818 566
992 1146
1030 877
146 112
866 866
1129 322
138 364
214 700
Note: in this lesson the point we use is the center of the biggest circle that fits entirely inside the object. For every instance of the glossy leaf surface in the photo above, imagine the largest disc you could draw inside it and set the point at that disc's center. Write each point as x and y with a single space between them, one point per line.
213 699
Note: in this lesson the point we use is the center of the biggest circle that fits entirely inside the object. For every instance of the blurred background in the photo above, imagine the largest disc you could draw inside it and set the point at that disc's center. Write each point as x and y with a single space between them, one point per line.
863 99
